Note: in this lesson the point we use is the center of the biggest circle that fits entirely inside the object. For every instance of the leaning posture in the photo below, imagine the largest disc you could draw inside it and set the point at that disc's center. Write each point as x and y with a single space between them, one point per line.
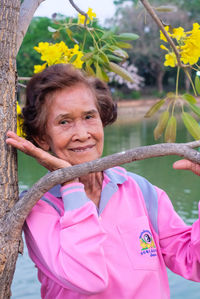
107 235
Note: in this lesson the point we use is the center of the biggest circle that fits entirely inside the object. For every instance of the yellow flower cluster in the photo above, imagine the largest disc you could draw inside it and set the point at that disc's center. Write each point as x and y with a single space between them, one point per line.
19 121
188 45
58 53
91 16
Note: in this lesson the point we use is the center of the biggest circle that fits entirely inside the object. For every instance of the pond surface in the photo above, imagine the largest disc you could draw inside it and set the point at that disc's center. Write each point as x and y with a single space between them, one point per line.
181 186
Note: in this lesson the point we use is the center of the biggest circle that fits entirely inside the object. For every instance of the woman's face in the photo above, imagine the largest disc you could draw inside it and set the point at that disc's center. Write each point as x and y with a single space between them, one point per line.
74 129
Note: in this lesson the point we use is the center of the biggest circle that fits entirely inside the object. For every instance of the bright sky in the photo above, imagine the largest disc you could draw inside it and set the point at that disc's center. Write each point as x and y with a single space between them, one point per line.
103 8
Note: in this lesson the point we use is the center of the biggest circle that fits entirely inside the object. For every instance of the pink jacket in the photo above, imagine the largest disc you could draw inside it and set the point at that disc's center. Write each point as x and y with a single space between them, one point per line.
119 250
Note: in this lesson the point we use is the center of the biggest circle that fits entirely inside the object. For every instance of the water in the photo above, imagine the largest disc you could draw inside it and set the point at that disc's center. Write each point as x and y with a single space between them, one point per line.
181 186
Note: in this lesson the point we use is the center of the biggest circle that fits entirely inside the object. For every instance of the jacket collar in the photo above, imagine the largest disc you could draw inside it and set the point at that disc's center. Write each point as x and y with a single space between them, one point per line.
116 176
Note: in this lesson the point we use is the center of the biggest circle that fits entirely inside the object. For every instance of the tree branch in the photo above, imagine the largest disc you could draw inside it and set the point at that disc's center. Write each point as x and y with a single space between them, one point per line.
27 10
154 16
19 212
80 11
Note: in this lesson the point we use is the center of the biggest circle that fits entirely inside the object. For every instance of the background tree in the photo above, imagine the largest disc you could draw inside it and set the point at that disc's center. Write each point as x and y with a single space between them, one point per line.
146 53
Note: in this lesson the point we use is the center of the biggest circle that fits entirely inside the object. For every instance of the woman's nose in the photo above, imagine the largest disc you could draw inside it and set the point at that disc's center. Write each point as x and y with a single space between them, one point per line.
80 132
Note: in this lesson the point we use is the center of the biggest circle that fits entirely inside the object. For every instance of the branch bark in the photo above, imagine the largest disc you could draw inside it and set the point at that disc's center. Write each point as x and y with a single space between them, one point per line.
27 10
19 212
80 11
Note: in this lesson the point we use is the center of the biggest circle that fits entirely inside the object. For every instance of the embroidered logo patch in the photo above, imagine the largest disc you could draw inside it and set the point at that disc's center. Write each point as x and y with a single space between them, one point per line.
147 243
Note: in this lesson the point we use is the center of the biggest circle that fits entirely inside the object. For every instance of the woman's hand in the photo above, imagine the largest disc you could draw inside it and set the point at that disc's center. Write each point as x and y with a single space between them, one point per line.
187 165
44 158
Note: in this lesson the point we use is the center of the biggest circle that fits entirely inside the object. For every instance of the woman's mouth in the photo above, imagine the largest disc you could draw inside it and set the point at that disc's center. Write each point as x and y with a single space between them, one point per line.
81 149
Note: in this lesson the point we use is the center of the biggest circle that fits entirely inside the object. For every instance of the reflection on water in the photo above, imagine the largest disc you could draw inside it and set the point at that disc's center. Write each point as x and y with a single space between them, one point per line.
181 186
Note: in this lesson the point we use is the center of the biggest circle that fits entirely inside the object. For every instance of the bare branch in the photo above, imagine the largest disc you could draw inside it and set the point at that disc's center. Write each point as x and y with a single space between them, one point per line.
21 85
24 78
80 11
19 212
27 10
154 16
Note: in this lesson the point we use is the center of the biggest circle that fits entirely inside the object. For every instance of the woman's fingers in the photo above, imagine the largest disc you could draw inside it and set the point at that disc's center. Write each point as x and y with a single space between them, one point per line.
44 158
187 165
23 145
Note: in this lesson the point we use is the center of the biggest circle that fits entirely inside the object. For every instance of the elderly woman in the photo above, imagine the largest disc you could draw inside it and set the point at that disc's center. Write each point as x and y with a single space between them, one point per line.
106 235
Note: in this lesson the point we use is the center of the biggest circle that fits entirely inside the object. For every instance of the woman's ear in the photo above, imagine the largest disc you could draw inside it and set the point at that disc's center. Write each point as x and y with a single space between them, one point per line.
42 143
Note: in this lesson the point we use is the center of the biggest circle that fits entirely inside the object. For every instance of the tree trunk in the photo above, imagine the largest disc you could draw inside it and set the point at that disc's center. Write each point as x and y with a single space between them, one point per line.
159 82
9 244
187 82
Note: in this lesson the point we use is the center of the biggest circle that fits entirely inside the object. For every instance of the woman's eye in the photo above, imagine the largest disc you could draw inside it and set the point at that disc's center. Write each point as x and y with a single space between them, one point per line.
63 122
88 116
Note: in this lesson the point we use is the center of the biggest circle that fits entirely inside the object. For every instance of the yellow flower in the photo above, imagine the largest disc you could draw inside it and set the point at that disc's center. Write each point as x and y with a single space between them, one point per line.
41 47
196 27
39 68
58 53
19 121
91 15
162 37
170 59
79 54
163 47
190 51
178 33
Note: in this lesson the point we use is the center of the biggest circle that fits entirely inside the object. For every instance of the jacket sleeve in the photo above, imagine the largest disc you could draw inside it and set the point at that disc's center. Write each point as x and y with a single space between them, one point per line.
180 244
68 248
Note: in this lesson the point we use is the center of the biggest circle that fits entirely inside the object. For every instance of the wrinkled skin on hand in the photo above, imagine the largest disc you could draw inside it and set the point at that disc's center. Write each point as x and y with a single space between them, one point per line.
44 158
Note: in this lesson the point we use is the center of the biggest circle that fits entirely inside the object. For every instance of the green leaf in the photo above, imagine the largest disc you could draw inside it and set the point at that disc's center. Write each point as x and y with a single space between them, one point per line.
127 36
99 72
98 59
170 132
104 57
87 56
70 33
163 119
195 109
119 52
191 125
105 76
189 98
114 58
88 68
73 58
155 108
124 45
107 35
166 8
120 71
197 84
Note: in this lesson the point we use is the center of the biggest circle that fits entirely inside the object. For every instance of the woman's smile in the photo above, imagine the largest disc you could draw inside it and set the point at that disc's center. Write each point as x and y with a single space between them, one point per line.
82 149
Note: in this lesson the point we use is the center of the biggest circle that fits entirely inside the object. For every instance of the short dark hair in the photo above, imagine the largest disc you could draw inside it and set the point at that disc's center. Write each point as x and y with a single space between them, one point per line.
52 79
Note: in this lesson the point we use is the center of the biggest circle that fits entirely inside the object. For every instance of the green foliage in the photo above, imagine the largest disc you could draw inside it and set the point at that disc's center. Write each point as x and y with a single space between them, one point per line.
102 48
197 84
191 125
155 108
40 31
